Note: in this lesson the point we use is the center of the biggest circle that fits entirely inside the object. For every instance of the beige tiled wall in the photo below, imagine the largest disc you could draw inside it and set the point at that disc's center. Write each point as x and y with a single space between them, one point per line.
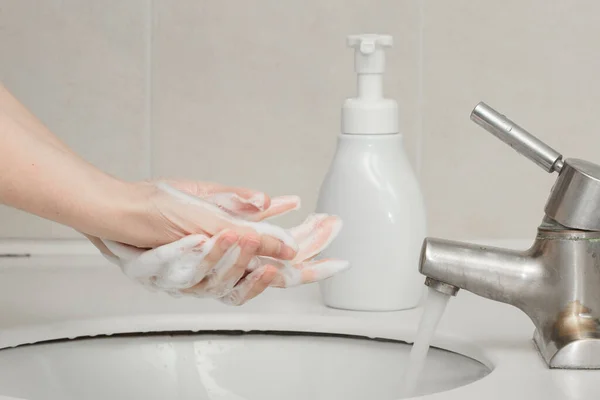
80 67
249 93
537 62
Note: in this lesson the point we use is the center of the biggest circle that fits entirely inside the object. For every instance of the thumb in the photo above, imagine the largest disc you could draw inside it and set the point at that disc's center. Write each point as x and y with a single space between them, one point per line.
212 219
230 196
240 205
253 208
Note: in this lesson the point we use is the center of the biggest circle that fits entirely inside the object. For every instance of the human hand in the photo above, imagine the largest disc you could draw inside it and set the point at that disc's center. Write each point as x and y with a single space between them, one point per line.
213 267
204 266
175 209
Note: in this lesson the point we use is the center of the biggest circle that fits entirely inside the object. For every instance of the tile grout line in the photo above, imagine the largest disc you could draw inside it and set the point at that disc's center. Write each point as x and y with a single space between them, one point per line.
420 97
148 106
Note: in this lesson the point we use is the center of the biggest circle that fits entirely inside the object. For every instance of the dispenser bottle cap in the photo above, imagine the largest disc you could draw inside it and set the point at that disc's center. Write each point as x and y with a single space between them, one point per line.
369 112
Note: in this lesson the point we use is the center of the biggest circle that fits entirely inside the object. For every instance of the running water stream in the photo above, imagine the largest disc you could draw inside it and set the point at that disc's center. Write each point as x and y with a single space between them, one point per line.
435 306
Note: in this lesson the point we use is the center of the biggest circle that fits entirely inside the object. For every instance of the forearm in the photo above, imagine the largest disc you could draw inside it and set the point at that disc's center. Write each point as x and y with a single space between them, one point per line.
40 175
13 109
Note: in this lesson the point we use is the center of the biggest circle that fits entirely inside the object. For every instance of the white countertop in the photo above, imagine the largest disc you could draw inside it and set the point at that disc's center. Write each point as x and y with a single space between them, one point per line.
57 296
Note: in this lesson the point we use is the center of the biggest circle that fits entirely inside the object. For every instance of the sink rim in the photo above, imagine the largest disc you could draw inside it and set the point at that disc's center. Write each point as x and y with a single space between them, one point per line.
193 323
173 336
237 333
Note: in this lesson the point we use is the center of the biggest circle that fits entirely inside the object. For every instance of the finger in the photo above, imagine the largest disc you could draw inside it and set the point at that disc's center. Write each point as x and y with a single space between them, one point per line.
225 240
279 206
151 262
315 234
217 220
175 266
308 272
249 245
272 247
261 284
173 250
206 269
208 189
193 187
248 196
237 205
251 286
228 270
214 283
181 273
275 241
166 267
201 214
256 207
227 273
274 232
300 232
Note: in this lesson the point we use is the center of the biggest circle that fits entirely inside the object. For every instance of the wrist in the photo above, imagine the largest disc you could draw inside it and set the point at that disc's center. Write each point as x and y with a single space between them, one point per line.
125 213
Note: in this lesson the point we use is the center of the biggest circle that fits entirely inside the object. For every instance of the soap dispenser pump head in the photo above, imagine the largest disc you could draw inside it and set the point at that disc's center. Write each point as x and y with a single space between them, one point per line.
369 112
369 56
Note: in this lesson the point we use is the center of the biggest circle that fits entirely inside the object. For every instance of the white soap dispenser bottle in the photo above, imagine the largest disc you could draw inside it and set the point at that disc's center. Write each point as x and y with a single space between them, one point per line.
372 186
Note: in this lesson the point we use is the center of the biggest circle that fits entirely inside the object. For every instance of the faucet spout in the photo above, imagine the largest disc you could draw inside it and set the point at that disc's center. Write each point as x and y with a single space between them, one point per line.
497 274
555 282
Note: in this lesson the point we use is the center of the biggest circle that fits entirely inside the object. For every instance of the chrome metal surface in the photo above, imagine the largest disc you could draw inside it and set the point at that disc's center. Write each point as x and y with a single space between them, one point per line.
441 286
556 282
516 137
575 198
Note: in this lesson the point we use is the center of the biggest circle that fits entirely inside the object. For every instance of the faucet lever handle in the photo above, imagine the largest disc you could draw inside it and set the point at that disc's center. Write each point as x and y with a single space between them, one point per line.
516 137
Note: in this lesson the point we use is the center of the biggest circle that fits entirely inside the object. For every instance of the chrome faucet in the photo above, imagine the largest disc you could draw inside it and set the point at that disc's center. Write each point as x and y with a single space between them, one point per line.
557 281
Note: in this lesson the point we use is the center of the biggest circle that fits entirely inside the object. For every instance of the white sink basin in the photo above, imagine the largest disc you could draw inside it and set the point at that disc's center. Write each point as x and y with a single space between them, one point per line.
224 366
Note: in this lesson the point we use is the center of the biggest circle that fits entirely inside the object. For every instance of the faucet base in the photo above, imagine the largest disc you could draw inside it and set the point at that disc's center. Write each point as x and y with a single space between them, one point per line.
580 354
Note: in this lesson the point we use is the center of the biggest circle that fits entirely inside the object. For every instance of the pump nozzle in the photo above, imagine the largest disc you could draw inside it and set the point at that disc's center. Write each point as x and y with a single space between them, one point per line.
369 112
369 56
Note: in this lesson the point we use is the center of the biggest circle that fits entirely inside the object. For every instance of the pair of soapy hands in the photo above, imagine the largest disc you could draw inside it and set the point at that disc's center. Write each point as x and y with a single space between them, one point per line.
221 266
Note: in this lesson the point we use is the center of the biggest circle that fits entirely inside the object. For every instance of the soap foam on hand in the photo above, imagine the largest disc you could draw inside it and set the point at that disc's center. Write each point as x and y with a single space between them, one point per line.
180 268
225 200
312 236
255 206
